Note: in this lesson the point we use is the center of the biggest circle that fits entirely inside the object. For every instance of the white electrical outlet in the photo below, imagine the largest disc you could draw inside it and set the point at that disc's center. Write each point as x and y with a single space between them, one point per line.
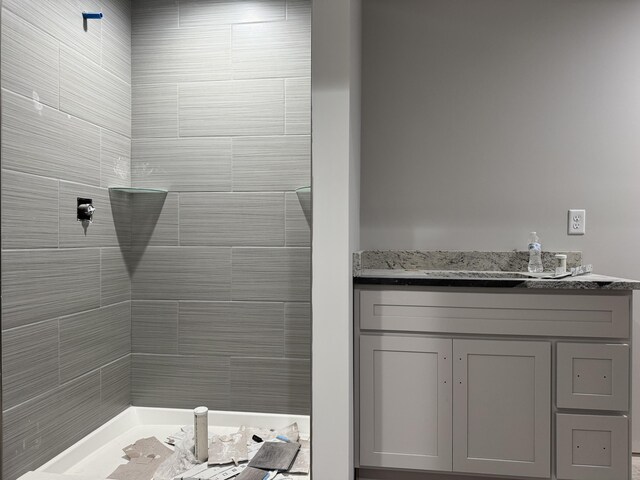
576 222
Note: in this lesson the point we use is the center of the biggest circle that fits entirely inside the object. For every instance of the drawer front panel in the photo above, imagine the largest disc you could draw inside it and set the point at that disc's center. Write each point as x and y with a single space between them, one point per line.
593 376
494 313
592 447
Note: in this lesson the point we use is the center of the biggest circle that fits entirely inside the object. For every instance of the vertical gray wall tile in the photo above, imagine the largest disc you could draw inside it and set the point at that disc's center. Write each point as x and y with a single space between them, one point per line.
182 55
154 327
94 338
115 160
38 430
298 219
62 19
182 164
277 49
180 382
93 94
271 385
273 274
116 38
29 60
154 15
271 163
154 110
183 273
202 13
115 387
299 11
297 330
226 108
115 285
154 220
232 219
231 328
29 211
111 225
43 141
42 284
297 93
29 362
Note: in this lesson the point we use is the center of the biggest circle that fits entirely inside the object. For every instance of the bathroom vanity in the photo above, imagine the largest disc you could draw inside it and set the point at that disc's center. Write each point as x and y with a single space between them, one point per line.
491 374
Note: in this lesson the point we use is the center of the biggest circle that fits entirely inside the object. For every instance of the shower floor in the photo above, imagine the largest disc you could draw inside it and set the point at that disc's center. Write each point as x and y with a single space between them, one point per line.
100 452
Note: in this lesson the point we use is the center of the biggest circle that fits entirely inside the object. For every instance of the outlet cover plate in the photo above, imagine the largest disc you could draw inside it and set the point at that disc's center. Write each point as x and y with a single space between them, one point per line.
576 222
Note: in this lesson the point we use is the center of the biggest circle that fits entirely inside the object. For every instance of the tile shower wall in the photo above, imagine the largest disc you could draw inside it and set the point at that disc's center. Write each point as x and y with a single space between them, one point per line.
66 301
221 264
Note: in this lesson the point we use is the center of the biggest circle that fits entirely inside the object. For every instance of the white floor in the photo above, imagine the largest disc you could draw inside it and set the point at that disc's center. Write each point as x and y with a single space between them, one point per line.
100 453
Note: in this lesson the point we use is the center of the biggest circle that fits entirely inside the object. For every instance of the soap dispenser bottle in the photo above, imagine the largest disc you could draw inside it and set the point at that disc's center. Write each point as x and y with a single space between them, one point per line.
535 254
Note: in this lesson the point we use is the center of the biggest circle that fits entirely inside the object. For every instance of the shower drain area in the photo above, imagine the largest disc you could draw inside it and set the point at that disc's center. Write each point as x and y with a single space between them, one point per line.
97 455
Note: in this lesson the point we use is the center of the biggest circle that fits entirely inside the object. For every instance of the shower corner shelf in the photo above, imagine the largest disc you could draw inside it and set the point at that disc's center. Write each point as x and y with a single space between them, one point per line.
137 190
306 189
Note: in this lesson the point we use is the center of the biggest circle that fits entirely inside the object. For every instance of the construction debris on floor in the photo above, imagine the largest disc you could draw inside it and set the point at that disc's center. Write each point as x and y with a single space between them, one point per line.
248 454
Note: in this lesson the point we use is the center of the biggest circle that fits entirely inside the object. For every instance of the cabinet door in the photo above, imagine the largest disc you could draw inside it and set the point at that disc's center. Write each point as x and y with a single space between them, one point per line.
502 407
405 402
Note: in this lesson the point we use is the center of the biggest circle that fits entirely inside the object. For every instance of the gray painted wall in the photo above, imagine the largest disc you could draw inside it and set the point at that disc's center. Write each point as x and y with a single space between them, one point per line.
66 127
221 265
484 120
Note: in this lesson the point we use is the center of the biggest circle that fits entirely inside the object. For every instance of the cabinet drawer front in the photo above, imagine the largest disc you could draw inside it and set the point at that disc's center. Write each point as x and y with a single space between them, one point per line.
593 376
405 402
495 313
592 447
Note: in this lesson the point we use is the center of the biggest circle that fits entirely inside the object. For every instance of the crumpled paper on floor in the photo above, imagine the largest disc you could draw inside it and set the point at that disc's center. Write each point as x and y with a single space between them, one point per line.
228 448
145 456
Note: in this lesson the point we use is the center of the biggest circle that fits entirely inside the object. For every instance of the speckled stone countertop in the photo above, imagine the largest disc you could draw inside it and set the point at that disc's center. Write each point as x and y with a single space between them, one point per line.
465 269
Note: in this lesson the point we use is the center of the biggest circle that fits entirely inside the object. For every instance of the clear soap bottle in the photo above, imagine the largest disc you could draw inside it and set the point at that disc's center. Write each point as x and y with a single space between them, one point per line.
535 254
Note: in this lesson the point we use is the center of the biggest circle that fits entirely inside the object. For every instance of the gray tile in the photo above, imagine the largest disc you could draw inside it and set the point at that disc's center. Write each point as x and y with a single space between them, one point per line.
94 338
271 163
154 111
37 430
115 160
29 362
116 38
115 285
271 385
183 273
297 330
158 15
93 94
115 387
62 19
271 274
181 55
297 93
231 328
29 60
224 12
183 164
155 220
226 108
180 382
43 141
232 219
299 10
111 226
276 49
42 284
154 327
29 211
298 219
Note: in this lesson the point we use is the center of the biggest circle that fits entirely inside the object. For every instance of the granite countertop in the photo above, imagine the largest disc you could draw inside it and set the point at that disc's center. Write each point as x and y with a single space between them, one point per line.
461 278
473 269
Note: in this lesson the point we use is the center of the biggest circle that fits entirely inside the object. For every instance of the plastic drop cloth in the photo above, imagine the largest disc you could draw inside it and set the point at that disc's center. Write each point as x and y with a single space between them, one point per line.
182 458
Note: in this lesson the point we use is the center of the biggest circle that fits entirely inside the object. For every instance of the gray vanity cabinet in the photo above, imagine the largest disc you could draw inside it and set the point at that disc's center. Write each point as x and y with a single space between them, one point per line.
405 402
502 407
